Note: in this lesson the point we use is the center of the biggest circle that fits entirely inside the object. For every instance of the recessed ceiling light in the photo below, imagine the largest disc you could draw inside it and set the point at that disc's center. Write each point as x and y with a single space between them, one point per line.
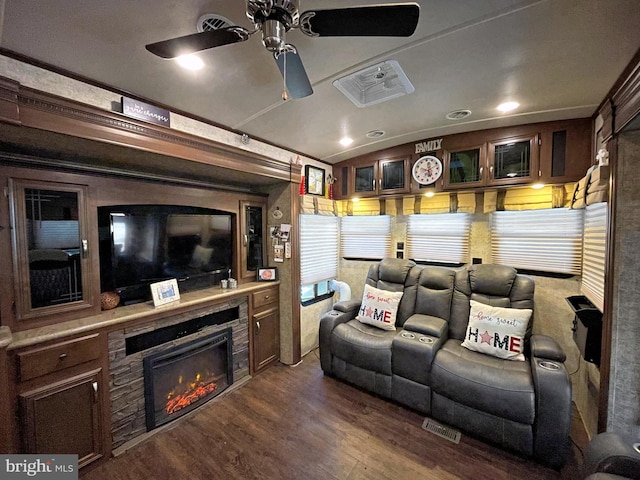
190 62
346 141
457 114
429 194
508 106
537 186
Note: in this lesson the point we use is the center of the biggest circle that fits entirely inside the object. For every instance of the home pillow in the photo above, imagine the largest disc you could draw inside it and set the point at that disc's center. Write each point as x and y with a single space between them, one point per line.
497 331
379 307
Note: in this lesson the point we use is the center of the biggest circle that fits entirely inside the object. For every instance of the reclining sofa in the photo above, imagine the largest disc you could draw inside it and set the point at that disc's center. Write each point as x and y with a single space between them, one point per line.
520 405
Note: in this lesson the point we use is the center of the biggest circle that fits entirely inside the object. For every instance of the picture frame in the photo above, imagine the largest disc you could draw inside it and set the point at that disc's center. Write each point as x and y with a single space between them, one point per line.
267 274
165 292
314 180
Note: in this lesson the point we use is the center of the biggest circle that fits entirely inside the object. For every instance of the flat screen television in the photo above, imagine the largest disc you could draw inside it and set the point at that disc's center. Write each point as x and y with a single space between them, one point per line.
144 244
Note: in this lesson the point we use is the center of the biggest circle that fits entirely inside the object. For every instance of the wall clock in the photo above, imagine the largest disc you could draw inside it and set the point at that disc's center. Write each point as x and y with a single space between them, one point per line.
427 170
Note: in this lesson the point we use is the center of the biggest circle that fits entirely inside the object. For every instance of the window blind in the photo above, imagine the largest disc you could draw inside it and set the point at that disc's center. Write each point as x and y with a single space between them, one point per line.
365 237
318 248
548 240
594 252
439 237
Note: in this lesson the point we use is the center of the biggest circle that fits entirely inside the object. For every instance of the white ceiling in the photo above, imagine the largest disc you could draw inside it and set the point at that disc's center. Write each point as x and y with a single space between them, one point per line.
557 58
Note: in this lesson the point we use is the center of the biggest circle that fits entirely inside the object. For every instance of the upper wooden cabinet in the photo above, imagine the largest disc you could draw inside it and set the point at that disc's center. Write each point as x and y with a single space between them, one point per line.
550 152
374 177
50 241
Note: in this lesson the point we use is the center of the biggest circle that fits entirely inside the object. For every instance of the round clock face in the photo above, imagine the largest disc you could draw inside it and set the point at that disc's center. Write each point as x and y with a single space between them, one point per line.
427 170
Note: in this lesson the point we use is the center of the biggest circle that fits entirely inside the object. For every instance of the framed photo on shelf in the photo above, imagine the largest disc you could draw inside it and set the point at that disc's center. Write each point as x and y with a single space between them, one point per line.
165 292
267 274
314 180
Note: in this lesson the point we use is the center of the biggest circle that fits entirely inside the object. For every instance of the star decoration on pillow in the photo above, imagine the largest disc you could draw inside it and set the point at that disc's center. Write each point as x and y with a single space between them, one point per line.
486 338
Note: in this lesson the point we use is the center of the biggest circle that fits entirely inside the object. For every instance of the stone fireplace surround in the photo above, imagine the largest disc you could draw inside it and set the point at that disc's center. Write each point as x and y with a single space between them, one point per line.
126 377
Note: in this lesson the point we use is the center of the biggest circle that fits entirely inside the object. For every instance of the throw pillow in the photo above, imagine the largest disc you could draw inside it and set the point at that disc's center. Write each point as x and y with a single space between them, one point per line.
497 331
379 307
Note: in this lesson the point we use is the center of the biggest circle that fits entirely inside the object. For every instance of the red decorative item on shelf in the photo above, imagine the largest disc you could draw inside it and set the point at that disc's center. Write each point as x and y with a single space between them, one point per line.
303 190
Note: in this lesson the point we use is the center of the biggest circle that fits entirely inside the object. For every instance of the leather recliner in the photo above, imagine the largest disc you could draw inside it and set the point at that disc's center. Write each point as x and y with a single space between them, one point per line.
522 406
612 456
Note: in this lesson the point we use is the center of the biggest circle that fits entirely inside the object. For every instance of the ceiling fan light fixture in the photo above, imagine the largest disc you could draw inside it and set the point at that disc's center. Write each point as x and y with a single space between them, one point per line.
190 62
375 84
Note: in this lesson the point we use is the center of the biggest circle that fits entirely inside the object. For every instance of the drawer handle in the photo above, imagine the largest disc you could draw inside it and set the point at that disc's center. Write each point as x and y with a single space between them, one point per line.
62 356
258 325
266 297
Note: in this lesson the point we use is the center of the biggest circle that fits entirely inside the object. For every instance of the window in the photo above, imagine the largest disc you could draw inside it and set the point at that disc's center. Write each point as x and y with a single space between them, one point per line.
548 240
439 237
366 236
594 252
318 255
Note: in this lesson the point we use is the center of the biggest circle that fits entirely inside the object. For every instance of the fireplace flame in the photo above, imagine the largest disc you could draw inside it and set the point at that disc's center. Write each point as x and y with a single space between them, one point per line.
196 391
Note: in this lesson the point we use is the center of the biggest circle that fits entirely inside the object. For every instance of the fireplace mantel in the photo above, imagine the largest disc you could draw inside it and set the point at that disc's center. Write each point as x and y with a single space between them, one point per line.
130 315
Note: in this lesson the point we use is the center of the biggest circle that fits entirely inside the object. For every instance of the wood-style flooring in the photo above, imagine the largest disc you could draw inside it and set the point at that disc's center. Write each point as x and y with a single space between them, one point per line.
295 423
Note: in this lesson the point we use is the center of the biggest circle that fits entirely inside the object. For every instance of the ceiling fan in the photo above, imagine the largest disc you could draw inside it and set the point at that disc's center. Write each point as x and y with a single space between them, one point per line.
274 18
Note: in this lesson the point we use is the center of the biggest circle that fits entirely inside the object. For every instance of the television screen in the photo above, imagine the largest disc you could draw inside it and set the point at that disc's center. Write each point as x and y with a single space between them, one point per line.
143 244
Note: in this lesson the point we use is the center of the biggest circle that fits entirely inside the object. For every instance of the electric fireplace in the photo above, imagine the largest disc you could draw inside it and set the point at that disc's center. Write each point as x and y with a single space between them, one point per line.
182 378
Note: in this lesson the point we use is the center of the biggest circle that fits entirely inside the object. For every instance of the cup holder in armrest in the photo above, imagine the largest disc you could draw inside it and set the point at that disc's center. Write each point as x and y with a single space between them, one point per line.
333 313
547 365
427 340
406 334
636 447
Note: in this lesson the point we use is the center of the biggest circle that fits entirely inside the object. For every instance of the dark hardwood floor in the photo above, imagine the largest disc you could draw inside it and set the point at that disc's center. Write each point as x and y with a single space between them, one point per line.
295 423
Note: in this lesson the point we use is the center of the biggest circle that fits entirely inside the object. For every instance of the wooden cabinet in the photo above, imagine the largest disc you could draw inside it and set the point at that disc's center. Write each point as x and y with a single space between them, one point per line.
50 247
61 399
504 161
253 224
372 178
264 328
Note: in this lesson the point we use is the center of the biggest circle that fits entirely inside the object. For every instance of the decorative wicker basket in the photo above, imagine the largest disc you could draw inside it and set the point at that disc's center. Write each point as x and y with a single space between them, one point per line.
109 300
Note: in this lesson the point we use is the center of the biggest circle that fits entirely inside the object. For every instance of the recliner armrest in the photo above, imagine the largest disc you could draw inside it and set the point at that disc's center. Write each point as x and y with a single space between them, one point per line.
613 453
342 312
347 306
542 346
426 325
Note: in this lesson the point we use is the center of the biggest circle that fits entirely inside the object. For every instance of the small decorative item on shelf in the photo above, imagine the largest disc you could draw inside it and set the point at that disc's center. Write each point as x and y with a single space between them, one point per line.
109 300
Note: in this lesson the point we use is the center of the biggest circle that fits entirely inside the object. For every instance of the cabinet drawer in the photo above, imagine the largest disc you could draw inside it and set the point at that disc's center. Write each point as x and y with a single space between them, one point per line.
41 361
265 297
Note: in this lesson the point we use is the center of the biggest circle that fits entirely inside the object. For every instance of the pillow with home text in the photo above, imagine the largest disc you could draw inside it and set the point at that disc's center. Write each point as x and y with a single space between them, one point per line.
379 307
497 331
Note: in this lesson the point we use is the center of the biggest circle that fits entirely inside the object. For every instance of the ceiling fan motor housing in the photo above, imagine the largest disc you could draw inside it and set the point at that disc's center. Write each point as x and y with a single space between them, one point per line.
284 11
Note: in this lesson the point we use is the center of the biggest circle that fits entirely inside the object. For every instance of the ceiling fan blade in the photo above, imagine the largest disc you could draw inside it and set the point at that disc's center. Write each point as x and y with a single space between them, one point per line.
392 20
296 78
197 42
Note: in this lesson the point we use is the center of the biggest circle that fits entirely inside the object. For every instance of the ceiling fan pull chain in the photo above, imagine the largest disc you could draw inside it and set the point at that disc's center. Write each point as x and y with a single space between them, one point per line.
285 95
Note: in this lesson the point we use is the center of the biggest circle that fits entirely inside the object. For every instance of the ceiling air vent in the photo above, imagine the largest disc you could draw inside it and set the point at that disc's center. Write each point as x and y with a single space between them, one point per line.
375 134
457 114
212 21
375 84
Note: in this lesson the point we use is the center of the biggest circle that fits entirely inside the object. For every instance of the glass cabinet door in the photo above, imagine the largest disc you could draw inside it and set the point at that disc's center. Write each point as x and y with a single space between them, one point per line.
50 240
513 159
464 168
253 245
394 176
365 179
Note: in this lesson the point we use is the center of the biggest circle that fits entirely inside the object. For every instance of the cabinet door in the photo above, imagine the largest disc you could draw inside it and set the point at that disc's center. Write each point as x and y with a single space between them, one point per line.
253 227
394 176
266 338
65 418
464 168
364 179
50 242
513 160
